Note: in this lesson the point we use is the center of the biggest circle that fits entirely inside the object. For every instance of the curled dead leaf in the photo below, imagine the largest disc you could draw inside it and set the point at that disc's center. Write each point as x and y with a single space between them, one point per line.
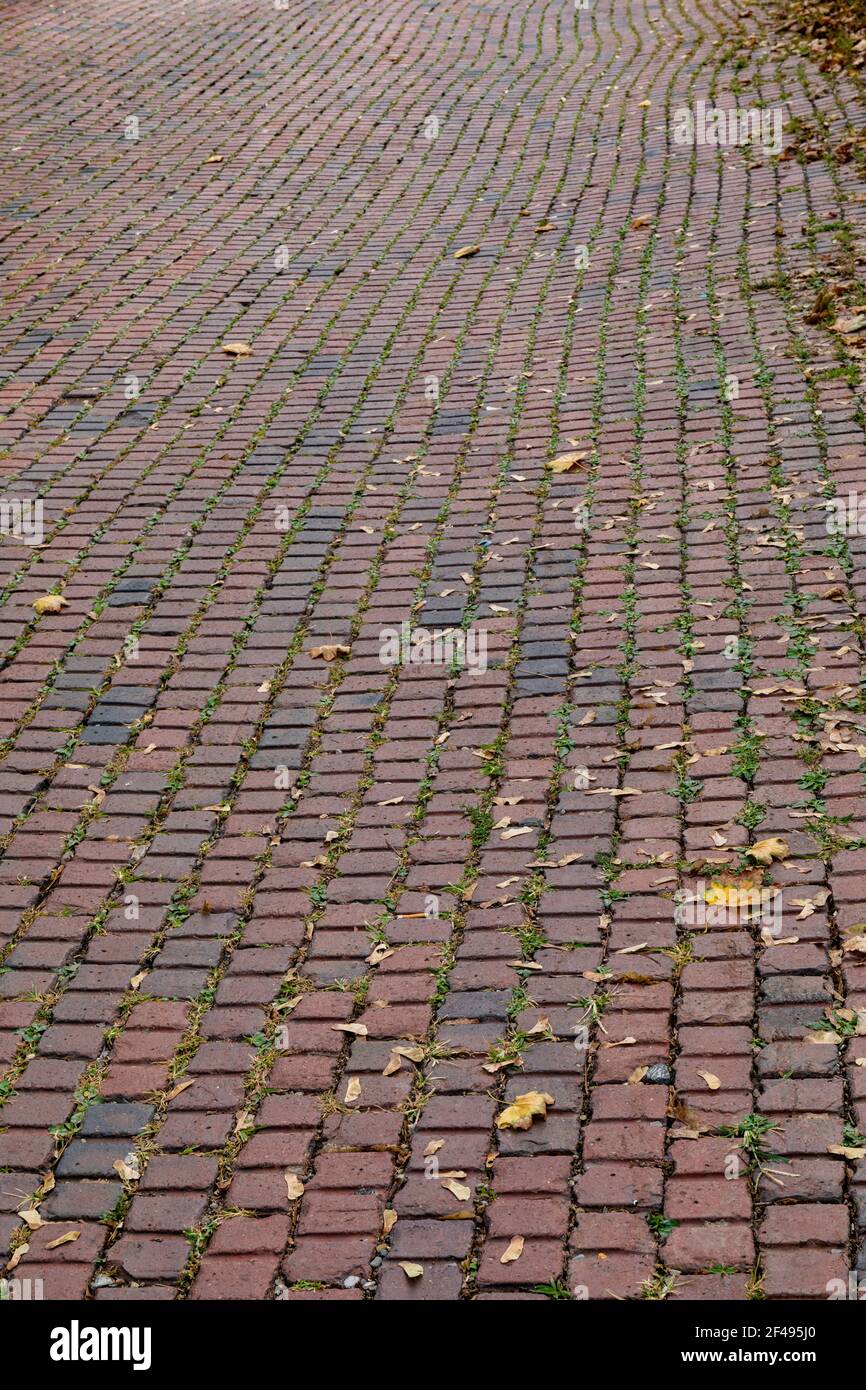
531 1105
330 651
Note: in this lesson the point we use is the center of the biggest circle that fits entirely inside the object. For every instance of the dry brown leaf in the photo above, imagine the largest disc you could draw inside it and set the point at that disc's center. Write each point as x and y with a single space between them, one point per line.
845 1151
176 1090
358 1030
128 1172
63 1240
389 1220
294 1186
513 1250
712 1081
18 1255
458 1189
353 1090
465 252
410 1269
330 651
31 1218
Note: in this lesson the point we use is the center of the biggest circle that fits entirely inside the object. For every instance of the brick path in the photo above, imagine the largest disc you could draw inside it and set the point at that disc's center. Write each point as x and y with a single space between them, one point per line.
237 878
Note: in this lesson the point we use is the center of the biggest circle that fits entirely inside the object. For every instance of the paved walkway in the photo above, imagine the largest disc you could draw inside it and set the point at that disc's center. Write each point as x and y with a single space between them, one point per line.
295 904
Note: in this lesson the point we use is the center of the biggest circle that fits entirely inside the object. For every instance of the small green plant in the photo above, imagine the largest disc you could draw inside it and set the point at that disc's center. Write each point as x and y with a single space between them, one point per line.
661 1225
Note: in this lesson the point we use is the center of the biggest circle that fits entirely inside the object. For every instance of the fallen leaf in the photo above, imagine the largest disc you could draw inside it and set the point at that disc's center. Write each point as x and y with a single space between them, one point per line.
525 1108
329 652
358 1030
565 463
389 1220
51 603
353 1090
237 349
712 1081
765 851
31 1218
412 1271
176 1090
294 1186
129 1172
513 1251
63 1240
459 1189
637 1075
845 1151
465 251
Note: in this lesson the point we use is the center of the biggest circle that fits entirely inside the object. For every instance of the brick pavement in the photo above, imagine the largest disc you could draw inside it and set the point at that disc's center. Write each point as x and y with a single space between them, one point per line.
286 924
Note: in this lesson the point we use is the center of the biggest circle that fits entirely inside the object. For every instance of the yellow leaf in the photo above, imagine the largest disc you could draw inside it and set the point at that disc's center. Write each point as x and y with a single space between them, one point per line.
412 1271
637 1075
466 251
51 603
765 851
513 1251
32 1218
237 349
845 1151
524 1109
565 463
294 1186
458 1189
389 1220
359 1030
